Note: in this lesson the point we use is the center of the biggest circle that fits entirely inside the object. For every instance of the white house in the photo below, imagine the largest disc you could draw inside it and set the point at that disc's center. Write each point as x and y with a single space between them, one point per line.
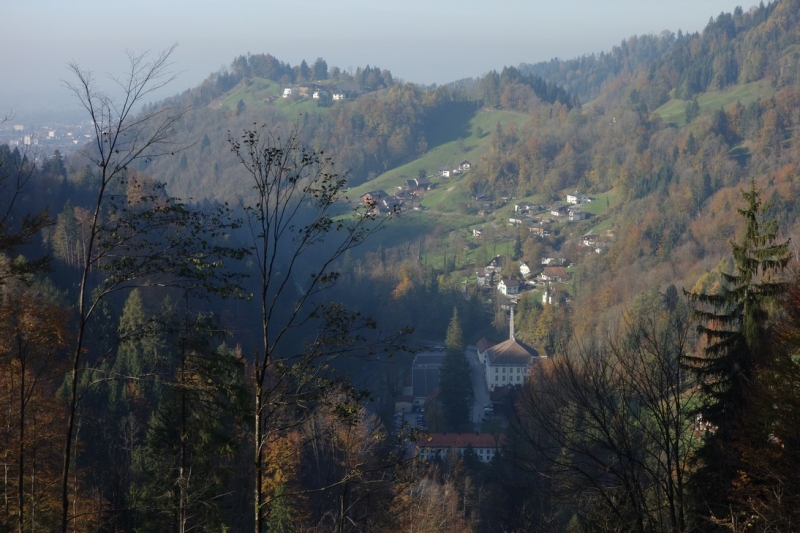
464 165
319 94
289 91
338 96
576 197
524 269
508 286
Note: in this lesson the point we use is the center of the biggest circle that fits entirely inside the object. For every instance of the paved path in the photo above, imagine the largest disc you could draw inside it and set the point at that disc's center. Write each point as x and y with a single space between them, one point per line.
478 387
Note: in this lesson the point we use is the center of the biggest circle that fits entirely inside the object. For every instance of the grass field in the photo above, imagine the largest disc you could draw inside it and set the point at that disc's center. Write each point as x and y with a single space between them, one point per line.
674 111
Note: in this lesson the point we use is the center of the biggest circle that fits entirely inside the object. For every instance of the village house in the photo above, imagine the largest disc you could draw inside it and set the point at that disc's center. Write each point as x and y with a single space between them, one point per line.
590 239
289 91
524 269
319 94
495 264
423 183
372 198
576 214
378 200
477 232
507 363
338 96
558 210
554 273
464 165
437 445
523 207
540 230
576 197
390 204
508 286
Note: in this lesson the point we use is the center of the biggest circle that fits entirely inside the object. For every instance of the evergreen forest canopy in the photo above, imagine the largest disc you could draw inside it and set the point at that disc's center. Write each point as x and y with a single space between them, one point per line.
143 390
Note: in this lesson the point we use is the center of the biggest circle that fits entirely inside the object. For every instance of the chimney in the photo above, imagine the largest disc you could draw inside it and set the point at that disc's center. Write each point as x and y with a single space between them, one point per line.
511 325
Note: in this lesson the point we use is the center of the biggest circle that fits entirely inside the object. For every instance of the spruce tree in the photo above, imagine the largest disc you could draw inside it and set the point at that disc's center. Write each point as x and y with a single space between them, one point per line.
733 321
455 385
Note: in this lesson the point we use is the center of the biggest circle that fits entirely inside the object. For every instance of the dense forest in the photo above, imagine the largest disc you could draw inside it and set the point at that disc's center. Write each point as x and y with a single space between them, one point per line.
204 328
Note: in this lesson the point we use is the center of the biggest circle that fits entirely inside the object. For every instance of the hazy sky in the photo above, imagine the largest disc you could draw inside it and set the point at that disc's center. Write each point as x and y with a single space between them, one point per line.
423 41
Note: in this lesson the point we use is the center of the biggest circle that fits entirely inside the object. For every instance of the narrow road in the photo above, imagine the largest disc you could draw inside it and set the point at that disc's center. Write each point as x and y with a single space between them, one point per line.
478 387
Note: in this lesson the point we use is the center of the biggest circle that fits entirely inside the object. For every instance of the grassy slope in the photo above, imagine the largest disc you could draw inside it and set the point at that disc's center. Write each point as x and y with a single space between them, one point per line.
442 215
674 111
447 153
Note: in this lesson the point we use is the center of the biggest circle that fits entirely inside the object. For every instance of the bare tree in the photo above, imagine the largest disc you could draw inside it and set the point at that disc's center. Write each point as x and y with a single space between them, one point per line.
136 235
610 427
298 232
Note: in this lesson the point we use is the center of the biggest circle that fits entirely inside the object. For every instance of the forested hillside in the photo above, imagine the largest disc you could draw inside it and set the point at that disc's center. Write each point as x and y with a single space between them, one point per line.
209 313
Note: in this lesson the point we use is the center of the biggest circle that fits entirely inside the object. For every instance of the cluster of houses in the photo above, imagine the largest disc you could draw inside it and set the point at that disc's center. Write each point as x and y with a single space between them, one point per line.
314 91
570 210
411 191
550 270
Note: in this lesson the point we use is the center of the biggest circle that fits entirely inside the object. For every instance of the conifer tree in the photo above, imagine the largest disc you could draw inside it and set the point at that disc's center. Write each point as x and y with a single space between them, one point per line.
733 321
454 384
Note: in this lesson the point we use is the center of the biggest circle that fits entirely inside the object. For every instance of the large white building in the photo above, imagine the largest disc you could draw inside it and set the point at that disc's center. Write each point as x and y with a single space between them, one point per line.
507 363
